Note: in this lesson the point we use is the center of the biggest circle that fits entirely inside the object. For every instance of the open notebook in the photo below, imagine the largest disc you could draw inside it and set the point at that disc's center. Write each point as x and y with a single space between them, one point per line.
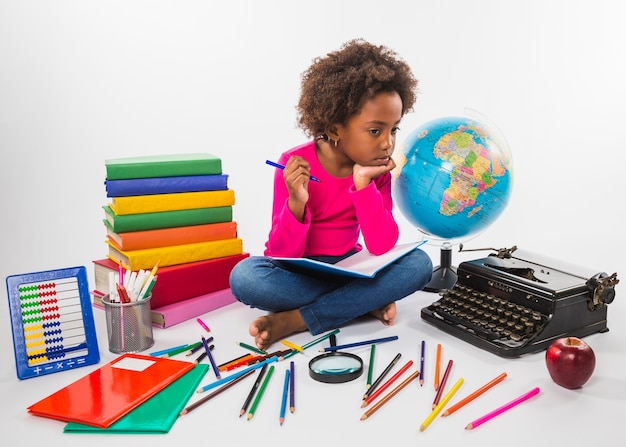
361 265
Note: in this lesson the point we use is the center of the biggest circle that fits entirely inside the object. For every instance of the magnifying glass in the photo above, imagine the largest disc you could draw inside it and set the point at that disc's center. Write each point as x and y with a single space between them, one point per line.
335 366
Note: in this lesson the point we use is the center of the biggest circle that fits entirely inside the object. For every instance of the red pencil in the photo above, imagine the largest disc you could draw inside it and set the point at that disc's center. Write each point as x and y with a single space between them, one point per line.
442 384
385 385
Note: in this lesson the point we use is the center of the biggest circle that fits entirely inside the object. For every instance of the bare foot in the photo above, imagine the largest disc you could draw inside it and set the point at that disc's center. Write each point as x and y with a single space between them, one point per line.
386 314
276 326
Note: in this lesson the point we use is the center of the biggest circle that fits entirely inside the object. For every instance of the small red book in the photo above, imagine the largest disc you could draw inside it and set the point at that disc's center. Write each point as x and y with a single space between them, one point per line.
105 395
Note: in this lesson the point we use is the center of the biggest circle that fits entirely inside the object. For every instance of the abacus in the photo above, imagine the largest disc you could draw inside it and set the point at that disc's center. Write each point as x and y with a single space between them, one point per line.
52 321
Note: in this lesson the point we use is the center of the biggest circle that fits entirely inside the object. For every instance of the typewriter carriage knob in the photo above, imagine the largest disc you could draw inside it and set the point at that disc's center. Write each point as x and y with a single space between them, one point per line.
601 289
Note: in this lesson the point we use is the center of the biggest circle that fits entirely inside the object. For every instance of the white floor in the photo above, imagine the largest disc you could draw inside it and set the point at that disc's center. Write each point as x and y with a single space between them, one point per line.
330 414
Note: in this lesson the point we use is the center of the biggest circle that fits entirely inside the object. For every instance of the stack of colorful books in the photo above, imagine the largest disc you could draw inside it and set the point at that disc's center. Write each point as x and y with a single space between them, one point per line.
174 211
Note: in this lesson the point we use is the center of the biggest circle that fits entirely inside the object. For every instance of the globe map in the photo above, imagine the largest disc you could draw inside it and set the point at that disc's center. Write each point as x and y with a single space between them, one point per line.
454 178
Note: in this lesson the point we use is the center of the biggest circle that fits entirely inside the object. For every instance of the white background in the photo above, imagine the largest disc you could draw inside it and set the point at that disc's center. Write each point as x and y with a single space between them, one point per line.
83 81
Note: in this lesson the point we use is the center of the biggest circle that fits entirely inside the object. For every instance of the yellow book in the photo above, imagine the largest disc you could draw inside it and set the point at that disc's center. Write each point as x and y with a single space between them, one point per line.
147 258
155 203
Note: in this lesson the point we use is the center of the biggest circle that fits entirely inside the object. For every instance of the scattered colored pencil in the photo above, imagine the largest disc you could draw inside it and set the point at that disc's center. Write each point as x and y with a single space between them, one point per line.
292 387
422 356
211 359
370 369
214 393
386 385
442 384
204 326
255 387
320 339
252 348
283 403
260 393
437 366
292 345
382 375
441 404
473 395
389 395
502 409
360 343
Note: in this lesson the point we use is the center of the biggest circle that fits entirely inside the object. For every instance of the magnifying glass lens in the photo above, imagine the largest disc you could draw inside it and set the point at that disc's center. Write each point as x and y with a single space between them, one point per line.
337 364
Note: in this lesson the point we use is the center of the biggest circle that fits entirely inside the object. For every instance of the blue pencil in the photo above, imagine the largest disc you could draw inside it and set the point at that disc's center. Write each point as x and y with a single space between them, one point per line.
235 375
211 359
360 343
283 404
279 166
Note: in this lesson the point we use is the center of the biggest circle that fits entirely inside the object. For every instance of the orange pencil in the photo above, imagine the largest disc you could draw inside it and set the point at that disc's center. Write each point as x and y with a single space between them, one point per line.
385 385
474 395
437 366
442 384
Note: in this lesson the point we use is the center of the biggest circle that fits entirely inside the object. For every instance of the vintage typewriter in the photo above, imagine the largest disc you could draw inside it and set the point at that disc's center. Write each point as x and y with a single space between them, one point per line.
512 306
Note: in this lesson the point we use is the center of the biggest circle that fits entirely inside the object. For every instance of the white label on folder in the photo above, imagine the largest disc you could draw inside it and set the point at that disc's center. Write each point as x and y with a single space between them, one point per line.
133 364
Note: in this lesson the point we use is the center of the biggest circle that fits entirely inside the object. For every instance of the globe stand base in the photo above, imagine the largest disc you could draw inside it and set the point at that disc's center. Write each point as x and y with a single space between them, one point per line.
444 275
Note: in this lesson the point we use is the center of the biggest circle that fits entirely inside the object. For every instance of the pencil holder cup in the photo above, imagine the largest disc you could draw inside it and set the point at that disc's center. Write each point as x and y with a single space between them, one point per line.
129 325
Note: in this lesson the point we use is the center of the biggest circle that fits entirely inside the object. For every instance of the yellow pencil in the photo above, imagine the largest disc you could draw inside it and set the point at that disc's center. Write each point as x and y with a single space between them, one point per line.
292 345
441 404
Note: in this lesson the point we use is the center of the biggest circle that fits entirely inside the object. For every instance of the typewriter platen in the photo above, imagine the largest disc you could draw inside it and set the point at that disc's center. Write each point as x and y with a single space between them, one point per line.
512 306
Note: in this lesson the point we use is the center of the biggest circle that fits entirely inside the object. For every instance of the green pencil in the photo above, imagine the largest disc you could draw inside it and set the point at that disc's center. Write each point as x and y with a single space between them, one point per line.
252 348
320 339
370 369
259 395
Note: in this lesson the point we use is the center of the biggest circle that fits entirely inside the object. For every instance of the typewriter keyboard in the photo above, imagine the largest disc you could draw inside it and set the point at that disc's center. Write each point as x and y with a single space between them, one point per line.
487 316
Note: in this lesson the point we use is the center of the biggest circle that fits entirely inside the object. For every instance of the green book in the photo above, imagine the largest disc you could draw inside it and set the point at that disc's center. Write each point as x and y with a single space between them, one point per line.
157 414
171 165
166 219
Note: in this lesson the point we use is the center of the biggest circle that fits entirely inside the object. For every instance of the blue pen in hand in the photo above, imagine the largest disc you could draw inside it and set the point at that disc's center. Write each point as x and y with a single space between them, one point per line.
279 166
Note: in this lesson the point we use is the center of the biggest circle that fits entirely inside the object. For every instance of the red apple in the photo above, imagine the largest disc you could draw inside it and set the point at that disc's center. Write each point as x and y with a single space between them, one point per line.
570 362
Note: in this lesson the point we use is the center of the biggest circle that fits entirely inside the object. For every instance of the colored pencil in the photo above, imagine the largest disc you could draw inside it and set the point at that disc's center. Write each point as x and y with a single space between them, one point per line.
360 343
437 366
442 384
474 395
222 367
259 394
382 375
204 326
235 375
292 387
370 369
283 402
320 339
386 385
441 404
292 345
214 393
502 409
165 351
211 359
176 351
422 356
255 386
252 348
389 395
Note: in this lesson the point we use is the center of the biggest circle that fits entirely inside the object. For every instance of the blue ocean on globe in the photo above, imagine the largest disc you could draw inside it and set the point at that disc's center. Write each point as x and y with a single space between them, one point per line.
454 177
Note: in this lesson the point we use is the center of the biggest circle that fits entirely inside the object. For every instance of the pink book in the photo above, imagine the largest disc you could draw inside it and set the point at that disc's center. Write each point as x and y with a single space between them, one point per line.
171 314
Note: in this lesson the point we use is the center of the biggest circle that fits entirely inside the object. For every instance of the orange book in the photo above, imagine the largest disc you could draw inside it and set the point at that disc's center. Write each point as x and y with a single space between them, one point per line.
163 237
105 395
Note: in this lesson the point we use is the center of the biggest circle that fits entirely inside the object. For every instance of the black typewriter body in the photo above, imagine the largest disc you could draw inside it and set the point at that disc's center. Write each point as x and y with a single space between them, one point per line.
511 307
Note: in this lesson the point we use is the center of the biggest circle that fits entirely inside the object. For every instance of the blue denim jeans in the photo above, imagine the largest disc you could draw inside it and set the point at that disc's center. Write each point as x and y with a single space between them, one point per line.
326 301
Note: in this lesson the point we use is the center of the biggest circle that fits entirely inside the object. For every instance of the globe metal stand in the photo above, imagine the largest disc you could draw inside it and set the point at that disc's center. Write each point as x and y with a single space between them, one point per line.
444 275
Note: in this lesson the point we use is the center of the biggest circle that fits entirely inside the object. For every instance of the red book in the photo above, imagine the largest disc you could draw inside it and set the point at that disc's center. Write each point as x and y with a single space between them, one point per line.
105 395
177 282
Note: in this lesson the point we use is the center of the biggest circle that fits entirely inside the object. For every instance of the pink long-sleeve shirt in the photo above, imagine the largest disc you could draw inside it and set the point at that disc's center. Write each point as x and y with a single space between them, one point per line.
336 214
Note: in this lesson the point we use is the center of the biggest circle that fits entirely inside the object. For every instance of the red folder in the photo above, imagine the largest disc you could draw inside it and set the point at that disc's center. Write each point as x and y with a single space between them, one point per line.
108 393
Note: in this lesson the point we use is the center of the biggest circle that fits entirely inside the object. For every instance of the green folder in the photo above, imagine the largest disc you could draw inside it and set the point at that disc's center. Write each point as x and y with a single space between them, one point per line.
157 414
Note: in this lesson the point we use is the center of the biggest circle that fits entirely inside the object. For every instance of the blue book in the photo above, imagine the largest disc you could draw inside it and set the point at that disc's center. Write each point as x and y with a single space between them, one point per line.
165 185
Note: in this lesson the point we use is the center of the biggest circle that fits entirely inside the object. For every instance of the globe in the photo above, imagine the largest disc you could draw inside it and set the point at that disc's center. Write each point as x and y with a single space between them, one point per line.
454 179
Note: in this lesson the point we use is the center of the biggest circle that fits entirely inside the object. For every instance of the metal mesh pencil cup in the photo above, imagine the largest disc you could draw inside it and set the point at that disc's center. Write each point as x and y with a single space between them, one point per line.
129 325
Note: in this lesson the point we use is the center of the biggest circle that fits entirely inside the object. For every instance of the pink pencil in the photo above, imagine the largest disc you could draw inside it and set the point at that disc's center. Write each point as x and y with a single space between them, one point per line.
502 409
